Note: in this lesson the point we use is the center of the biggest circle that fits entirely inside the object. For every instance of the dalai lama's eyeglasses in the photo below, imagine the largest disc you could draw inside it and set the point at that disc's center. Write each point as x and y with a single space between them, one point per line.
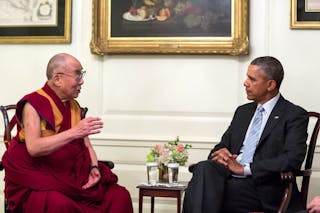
78 76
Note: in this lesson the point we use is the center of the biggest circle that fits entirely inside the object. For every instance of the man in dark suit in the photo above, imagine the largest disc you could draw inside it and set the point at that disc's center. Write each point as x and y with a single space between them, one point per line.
265 137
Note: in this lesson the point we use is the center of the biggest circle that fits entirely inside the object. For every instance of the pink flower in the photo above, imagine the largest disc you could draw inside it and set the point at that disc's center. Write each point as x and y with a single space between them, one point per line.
163 153
158 147
180 148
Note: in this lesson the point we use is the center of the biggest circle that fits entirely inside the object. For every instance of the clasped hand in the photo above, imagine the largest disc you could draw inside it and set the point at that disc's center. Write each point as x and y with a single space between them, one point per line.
224 157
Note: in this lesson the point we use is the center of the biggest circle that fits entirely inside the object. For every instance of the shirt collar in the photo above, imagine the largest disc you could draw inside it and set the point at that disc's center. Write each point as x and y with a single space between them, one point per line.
269 105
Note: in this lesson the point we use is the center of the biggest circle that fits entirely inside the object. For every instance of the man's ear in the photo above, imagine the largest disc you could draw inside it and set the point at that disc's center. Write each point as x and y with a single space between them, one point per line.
56 80
272 85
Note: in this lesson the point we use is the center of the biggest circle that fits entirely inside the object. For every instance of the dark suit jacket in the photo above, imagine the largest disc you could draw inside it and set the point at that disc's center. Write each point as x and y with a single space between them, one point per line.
282 147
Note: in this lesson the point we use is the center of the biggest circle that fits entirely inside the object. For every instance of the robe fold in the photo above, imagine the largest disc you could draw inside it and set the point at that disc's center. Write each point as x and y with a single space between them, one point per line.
37 184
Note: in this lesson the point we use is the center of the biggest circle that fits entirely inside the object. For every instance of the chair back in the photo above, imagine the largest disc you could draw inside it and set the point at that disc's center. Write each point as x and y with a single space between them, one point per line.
8 121
313 116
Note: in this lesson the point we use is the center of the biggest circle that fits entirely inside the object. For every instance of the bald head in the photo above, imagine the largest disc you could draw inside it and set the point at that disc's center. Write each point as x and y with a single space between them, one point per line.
58 60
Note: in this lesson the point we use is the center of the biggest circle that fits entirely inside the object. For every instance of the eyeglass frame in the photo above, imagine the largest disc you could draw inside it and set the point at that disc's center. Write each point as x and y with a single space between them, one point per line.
78 76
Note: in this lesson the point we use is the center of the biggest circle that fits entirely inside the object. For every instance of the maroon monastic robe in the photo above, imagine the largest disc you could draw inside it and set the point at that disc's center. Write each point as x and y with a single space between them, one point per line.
54 182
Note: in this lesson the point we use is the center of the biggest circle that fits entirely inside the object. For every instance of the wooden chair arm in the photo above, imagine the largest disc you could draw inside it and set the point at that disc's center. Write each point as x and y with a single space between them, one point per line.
108 163
287 178
304 173
191 168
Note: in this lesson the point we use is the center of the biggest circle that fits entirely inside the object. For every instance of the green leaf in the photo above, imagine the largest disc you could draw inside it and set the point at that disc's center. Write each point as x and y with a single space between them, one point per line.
150 158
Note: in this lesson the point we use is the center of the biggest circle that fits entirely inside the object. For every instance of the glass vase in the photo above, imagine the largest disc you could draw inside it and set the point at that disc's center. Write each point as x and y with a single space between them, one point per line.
163 173
152 173
173 173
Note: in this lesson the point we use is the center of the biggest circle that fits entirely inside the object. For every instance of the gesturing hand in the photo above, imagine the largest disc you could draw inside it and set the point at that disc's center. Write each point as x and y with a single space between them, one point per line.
88 126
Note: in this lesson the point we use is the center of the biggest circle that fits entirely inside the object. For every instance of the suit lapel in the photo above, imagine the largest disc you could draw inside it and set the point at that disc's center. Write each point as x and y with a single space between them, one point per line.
274 118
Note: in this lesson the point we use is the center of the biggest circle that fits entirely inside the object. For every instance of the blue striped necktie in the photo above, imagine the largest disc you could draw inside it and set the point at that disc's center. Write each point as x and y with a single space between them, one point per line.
253 138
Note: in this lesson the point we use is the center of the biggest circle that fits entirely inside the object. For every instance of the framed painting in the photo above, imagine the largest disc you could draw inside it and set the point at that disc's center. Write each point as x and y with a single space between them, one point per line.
35 21
305 14
170 27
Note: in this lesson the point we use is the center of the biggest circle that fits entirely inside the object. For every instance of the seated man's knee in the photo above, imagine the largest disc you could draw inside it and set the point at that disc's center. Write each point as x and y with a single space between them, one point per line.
203 165
121 194
117 199
58 202
210 166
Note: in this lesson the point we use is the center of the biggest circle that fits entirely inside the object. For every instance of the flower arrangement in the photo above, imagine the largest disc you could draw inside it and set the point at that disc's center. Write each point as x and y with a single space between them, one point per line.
172 152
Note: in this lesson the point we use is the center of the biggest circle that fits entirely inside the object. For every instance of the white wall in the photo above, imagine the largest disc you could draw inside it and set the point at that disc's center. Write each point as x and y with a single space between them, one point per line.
148 99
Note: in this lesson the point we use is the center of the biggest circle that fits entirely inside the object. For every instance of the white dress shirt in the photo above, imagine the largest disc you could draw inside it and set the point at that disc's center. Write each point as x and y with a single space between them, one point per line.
268 107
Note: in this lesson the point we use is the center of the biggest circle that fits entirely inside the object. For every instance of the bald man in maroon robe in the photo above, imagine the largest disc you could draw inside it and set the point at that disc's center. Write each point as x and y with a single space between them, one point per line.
50 165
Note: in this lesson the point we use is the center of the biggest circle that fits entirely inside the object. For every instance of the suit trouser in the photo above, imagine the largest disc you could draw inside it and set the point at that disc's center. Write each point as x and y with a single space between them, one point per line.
213 190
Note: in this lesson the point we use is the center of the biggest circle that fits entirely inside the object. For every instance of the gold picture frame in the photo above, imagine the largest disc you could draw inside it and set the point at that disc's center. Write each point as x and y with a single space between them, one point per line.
111 28
44 22
305 14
